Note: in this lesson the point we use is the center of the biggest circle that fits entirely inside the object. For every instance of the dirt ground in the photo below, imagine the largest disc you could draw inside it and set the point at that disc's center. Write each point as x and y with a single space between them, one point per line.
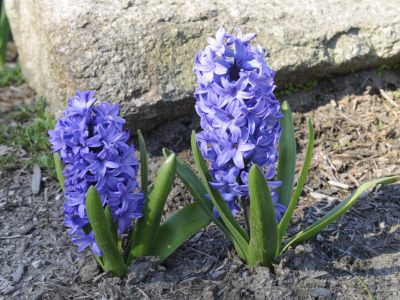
356 120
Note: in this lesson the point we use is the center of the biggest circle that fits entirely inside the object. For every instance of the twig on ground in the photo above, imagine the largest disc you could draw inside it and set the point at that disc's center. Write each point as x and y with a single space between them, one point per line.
388 98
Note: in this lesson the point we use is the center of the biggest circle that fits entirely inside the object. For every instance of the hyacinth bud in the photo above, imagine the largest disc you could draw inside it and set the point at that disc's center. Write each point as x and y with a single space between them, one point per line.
93 147
239 115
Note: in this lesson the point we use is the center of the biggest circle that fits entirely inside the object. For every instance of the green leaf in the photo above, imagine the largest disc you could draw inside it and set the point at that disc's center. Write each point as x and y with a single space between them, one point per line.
59 168
110 223
284 223
336 212
287 156
263 245
112 258
236 232
178 228
144 169
4 35
147 226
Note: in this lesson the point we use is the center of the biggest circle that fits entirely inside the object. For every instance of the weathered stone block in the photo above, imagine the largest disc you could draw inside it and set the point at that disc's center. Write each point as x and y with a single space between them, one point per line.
140 53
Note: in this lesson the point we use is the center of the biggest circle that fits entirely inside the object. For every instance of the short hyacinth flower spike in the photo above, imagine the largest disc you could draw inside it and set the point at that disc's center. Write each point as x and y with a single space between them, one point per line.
93 147
239 115
105 208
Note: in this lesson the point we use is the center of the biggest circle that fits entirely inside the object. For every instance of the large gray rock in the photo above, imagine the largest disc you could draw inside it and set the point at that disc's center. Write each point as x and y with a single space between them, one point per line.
140 53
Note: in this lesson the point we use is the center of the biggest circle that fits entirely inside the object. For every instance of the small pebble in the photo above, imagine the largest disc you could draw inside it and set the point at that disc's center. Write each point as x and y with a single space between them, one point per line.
17 275
218 274
306 248
161 268
140 269
345 140
55 214
337 163
234 267
36 179
321 293
36 264
197 236
88 272
19 199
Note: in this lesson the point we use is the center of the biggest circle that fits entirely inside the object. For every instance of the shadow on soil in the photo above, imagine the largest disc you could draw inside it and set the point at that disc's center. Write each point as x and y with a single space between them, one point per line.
175 134
358 241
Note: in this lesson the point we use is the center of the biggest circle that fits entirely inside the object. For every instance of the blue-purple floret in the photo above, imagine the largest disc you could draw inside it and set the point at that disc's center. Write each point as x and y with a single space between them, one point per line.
239 115
93 147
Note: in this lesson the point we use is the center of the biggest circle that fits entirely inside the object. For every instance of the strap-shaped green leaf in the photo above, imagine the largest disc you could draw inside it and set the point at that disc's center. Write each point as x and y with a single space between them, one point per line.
287 157
144 169
59 168
147 226
4 35
284 223
236 232
111 224
263 245
112 258
336 212
178 228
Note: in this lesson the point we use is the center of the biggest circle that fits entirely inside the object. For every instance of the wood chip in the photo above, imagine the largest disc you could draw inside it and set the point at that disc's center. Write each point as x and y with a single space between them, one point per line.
317 274
339 184
36 179
145 296
6 150
5 286
388 98
318 196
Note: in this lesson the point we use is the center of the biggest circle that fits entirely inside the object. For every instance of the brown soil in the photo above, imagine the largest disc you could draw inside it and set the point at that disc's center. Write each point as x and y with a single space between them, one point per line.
356 119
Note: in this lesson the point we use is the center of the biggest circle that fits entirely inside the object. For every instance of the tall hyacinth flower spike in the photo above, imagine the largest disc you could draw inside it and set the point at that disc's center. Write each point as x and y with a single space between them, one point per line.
245 133
97 171
239 116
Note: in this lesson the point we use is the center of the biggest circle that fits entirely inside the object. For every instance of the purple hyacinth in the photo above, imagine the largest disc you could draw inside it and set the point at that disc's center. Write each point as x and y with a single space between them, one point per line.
93 147
239 115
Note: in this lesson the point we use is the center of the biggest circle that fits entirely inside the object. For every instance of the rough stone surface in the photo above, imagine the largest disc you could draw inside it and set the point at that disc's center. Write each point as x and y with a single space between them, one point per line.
140 53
